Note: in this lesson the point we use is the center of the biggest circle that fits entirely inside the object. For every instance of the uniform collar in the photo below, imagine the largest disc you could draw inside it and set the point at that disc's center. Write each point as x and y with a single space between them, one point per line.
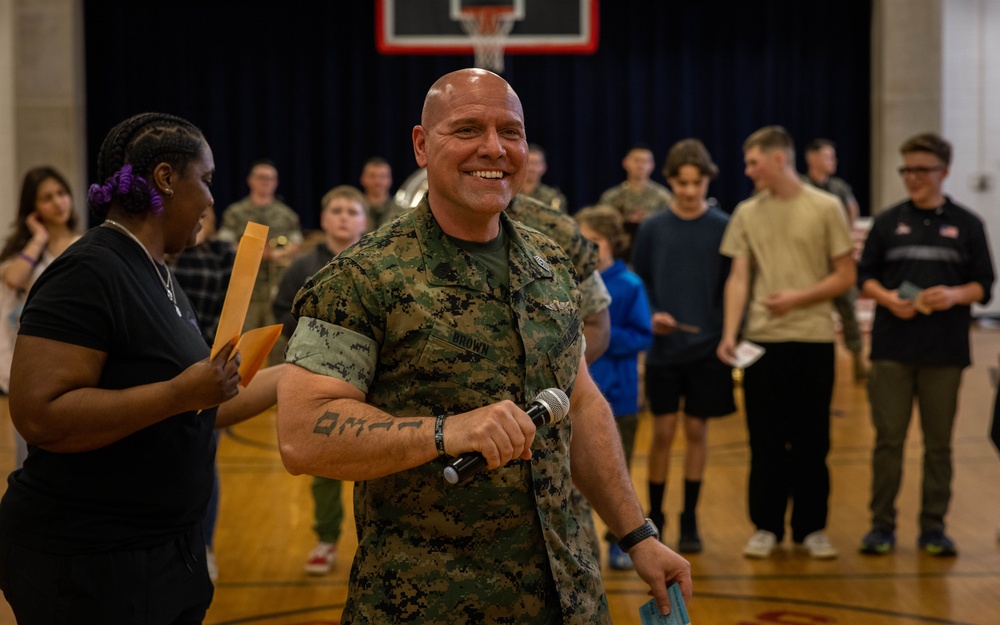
449 265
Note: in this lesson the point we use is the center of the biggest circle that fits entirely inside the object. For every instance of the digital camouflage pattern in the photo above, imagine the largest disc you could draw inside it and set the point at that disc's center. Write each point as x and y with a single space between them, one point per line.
655 198
550 196
381 214
564 230
423 328
281 221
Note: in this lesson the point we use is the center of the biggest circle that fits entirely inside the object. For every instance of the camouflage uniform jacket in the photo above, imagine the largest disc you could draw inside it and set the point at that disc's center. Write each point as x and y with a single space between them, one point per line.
381 214
423 328
655 198
550 196
281 221
564 230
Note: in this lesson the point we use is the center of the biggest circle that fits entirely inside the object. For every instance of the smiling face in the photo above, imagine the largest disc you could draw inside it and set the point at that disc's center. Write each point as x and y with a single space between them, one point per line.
472 141
53 203
763 166
690 186
923 177
191 198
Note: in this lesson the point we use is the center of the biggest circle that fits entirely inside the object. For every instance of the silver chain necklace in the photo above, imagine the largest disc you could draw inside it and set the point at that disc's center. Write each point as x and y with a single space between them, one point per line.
168 284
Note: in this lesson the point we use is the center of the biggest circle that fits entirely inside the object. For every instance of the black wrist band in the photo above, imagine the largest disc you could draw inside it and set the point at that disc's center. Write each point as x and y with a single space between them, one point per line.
633 538
439 435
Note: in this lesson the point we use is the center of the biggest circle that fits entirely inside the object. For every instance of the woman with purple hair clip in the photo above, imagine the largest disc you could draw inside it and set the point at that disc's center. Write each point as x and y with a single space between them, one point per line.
114 391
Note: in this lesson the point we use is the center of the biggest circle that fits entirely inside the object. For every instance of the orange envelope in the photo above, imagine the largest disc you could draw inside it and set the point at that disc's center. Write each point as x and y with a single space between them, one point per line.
234 308
254 346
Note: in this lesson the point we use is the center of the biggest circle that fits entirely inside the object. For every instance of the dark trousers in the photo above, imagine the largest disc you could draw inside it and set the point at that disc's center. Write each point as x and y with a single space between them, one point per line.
892 388
787 395
163 585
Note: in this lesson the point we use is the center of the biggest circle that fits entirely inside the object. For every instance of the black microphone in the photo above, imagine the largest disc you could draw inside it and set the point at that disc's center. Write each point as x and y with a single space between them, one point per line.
549 406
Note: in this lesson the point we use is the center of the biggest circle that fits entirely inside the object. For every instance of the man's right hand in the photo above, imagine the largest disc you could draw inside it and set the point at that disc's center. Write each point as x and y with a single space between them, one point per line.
726 351
902 308
500 432
664 323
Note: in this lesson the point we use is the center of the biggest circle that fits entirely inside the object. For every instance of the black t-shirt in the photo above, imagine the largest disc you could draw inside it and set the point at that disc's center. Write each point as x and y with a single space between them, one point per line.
944 246
102 293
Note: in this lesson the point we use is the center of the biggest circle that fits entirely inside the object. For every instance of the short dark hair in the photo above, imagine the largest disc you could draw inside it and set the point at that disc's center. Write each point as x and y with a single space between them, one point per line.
928 142
375 160
26 205
262 161
144 141
772 138
689 152
818 144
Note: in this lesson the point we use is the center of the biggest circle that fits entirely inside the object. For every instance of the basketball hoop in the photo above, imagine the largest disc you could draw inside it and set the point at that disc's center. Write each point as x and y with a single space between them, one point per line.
488 27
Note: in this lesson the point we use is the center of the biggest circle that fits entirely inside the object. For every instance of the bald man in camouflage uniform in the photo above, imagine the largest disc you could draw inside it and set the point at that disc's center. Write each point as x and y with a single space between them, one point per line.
456 310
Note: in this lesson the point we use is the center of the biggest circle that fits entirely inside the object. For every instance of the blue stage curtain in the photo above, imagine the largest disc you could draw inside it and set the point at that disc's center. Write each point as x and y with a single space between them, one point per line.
301 82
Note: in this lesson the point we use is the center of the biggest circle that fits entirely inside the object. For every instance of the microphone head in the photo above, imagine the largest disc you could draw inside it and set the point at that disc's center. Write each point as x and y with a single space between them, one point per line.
556 401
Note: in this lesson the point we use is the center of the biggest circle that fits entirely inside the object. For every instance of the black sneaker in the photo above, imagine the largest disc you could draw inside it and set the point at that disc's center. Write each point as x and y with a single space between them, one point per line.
690 541
878 542
937 544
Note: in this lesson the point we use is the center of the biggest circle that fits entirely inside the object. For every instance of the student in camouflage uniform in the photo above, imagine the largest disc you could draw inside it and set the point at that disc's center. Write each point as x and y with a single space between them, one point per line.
376 180
456 310
638 197
533 185
284 237
821 164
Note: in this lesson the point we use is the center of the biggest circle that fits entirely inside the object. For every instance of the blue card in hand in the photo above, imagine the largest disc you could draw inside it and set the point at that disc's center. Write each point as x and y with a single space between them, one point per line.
650 613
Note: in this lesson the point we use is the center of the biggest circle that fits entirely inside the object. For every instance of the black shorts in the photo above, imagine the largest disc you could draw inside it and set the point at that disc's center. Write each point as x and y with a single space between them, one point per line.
706 386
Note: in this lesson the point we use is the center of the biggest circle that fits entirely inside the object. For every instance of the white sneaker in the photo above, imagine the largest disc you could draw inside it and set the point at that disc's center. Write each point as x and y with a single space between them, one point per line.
760 545
213 569
818 546
321 559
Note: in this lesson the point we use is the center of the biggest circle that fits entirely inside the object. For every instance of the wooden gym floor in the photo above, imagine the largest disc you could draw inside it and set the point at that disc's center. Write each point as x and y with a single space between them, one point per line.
265 521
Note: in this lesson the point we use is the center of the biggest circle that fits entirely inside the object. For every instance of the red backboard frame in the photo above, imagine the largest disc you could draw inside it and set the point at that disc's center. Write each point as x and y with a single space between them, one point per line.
585 43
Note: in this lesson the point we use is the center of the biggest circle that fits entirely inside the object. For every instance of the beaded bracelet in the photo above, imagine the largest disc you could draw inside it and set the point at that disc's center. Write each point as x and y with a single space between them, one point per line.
27 258
439 435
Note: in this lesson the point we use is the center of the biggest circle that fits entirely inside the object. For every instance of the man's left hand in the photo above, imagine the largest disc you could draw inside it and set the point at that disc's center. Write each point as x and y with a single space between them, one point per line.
659 566
936 298
781 302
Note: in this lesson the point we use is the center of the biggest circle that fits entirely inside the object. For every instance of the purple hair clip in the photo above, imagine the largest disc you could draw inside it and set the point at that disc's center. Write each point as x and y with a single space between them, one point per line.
124 179
99 196
121 182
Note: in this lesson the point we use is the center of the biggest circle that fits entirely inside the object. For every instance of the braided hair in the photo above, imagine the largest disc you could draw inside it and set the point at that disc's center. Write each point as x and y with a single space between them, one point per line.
131 151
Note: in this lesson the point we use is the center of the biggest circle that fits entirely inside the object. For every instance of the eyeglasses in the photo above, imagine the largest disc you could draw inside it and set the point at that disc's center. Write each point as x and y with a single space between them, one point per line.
918 171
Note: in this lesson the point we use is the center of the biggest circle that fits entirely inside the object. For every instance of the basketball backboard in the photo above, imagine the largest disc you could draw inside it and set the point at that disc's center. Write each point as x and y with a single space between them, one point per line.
435 26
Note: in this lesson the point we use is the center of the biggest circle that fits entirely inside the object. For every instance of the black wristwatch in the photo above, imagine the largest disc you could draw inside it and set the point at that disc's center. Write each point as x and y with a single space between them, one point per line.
633 538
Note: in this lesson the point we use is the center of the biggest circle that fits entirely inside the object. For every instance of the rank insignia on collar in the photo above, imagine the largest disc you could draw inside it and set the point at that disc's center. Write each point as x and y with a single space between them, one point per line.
557 305
541 262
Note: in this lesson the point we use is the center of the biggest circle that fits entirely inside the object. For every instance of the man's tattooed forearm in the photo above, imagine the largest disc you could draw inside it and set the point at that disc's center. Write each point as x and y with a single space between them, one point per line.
332 422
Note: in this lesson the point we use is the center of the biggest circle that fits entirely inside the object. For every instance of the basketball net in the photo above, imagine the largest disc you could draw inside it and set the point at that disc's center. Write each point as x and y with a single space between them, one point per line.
488 28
